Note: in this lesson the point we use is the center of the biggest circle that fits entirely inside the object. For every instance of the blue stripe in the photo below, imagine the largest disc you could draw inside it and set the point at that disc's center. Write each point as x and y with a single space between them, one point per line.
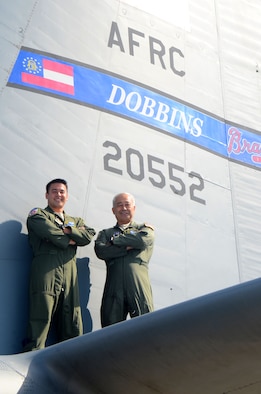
106 92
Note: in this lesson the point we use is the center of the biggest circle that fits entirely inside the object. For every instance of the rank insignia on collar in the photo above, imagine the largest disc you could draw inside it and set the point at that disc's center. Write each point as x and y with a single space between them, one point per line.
149 225
58 220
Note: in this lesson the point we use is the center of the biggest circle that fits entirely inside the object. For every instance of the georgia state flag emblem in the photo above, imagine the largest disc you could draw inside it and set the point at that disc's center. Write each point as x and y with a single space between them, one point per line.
32 65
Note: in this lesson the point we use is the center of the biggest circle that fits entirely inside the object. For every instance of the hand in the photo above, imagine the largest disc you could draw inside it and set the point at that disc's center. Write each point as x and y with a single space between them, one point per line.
129 247
72 242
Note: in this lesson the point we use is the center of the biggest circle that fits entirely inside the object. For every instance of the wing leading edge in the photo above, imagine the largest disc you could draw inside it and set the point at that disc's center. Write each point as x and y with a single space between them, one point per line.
208 344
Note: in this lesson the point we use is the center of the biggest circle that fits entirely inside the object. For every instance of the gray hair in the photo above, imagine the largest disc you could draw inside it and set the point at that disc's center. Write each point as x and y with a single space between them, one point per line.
128 194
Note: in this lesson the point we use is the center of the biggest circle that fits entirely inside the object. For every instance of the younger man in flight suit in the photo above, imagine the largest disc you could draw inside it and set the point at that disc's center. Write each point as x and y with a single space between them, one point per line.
54 237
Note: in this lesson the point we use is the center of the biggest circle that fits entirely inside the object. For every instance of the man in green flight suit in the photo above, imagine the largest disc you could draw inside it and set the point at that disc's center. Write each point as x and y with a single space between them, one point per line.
54 293
126 248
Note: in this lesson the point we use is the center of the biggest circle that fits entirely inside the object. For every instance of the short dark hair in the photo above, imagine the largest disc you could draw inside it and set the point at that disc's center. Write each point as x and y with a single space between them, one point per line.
57 180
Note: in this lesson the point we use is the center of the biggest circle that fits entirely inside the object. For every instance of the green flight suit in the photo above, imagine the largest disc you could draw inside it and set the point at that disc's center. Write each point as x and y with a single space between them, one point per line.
54 284
127 287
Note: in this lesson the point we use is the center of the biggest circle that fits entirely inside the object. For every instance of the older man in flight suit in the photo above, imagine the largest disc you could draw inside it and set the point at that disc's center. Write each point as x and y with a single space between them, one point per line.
126 248
54 237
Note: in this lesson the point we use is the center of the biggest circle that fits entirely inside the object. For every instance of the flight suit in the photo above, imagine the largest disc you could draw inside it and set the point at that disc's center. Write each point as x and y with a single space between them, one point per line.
54 283
127 287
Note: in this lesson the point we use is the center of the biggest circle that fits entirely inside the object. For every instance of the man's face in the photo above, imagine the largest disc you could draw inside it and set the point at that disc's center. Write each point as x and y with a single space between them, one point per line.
123 209
57 196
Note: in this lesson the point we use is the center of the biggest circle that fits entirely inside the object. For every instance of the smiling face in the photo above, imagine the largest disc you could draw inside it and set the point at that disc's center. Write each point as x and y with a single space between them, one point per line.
57 196
123 208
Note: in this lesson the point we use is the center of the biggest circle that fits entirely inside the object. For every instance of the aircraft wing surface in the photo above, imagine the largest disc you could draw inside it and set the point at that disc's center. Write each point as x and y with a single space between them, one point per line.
211 344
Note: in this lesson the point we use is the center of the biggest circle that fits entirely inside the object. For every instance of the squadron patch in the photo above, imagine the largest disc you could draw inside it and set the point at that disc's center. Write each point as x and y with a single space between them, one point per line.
33 212
69 224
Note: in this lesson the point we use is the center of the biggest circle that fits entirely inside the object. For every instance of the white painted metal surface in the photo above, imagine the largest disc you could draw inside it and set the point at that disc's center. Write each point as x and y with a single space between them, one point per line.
199 247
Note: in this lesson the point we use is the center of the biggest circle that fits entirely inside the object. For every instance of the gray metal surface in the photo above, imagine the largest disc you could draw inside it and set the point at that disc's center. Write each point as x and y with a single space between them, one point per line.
207 345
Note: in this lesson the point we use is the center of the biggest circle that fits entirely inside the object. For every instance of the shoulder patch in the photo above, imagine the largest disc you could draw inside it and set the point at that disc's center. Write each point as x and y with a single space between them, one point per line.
33 212
149 225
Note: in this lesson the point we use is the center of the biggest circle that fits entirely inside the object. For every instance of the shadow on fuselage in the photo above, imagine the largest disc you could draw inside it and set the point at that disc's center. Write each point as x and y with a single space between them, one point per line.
15 262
